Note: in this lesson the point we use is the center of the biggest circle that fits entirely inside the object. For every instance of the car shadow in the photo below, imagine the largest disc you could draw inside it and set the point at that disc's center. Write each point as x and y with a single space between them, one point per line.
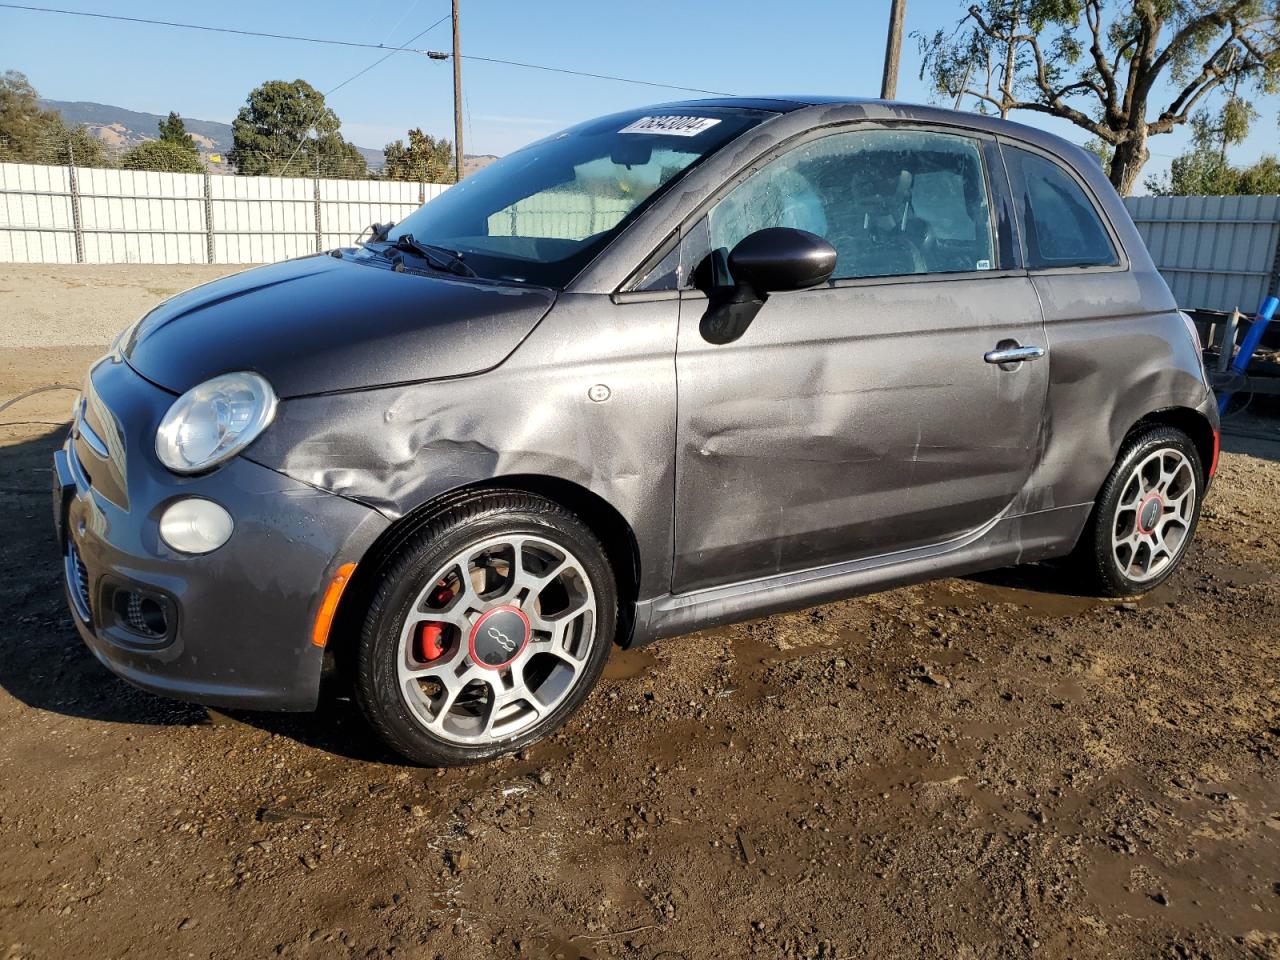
43 662
45 665
335 727
1047 578
1261 443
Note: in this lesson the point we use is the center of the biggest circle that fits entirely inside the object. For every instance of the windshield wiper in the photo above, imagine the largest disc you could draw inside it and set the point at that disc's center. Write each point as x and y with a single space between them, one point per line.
439 257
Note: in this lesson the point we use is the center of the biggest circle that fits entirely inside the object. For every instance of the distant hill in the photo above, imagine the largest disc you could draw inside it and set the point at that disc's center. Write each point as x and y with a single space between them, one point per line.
120 129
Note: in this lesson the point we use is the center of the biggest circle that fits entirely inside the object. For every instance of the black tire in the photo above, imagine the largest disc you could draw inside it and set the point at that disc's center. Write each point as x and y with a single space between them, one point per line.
1094 557
471 520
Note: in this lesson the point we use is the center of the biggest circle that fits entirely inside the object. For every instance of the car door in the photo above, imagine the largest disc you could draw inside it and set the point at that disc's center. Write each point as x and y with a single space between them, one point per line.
862 417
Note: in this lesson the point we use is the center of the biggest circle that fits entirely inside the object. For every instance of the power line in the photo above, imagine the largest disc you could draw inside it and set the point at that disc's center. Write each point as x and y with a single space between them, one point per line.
400 49
354 43
594 76
355 76
196 26
404 16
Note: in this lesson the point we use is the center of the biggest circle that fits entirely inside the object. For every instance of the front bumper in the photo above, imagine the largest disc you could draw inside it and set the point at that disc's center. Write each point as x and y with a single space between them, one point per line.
229 628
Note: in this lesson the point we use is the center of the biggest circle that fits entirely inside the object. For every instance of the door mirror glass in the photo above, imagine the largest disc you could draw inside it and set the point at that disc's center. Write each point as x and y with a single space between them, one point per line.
781 258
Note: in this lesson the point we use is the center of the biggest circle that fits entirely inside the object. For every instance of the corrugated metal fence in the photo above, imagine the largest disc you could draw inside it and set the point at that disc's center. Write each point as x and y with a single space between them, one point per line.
1216 253
77 215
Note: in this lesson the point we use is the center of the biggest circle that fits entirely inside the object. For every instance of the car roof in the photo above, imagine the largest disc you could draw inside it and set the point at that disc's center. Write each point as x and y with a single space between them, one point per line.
897 109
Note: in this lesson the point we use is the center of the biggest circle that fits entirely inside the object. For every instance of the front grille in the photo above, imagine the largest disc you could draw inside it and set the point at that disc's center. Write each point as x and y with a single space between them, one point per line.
78 581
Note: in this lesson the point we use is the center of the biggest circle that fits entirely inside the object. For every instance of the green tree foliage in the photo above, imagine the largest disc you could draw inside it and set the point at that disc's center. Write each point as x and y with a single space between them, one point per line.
285 129
1204 169
1124 70
30 134
1262 177
77 145
425 159
1102 151
162 155
23 124
174 131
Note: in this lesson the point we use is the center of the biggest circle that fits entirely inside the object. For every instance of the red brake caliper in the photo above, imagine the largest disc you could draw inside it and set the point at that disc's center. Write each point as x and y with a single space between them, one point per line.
430 645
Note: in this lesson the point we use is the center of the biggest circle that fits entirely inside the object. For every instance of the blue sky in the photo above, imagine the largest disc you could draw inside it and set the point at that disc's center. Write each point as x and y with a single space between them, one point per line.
738 46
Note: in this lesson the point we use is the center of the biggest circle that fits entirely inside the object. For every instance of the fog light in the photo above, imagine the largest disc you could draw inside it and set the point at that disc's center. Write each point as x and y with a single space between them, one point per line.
195 526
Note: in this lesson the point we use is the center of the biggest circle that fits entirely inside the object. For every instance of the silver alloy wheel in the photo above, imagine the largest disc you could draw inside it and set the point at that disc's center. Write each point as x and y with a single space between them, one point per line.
1152 522
496 639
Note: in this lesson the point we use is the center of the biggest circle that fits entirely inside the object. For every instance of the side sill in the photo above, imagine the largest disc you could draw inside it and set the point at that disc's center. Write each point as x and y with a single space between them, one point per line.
1003 542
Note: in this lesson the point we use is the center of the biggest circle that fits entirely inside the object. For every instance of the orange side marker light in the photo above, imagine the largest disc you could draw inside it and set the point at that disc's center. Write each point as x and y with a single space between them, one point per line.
329 605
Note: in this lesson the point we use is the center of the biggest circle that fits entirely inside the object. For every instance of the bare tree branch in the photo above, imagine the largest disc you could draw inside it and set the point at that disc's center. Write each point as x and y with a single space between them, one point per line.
1128 52
1093 15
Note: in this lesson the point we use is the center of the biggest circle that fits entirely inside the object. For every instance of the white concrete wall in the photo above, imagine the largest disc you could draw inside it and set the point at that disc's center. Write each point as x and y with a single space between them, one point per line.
35 214
145 217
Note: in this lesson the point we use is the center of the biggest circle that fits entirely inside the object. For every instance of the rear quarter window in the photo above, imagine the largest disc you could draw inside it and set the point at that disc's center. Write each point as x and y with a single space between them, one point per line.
1060 223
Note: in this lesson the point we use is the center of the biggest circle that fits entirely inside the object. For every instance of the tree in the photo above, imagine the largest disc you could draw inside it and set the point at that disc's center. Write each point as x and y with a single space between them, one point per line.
1204 170
335 157
1262 177
31 134
75 145
425 159
162 155
1107 74
286 129
23 124
174 131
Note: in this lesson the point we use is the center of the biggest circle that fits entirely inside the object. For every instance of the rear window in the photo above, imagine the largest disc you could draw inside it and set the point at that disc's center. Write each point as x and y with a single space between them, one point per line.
1060 223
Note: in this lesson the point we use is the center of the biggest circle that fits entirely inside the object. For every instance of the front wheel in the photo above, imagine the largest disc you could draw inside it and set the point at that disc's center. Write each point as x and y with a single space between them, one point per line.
1145 515
488 629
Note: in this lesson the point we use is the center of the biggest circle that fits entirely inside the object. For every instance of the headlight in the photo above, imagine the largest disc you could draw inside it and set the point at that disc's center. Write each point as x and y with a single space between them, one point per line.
214 421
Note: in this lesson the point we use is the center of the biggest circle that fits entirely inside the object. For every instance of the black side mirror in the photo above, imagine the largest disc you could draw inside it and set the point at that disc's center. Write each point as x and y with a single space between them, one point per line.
782 258
767 261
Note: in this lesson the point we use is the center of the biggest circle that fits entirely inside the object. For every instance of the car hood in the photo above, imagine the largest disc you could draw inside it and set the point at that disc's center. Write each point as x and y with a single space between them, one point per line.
322 324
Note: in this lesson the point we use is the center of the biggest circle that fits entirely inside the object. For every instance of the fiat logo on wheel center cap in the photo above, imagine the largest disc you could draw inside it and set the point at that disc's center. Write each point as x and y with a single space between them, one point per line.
1149 513
498 637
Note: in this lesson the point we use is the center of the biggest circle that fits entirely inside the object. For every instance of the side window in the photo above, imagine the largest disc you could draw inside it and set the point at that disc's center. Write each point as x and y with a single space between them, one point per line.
665 274
1061 225
892 202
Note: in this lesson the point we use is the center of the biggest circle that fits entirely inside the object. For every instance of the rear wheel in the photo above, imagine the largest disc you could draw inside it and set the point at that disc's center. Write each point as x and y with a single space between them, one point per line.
489 628
1145 515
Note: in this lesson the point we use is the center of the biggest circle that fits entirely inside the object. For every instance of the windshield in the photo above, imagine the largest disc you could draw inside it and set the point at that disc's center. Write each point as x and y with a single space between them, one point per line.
542 213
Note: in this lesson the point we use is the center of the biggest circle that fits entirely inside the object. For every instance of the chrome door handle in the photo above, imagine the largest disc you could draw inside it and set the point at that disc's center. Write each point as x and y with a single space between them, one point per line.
1013 354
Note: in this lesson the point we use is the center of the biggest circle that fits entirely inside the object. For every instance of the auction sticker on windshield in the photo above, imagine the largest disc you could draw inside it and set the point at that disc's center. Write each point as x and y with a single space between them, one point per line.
671 126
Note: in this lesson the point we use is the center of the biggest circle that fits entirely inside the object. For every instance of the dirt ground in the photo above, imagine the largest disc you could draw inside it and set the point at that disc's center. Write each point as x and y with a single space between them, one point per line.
986 767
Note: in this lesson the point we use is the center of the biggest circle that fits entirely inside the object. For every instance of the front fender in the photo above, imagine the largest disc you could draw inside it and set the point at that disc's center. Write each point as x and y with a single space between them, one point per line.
395 448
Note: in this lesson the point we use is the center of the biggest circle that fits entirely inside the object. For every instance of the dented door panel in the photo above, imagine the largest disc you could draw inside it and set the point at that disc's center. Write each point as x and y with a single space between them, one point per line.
852 421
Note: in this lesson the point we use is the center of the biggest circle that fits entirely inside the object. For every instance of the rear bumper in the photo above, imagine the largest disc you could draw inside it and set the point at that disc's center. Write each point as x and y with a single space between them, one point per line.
235 624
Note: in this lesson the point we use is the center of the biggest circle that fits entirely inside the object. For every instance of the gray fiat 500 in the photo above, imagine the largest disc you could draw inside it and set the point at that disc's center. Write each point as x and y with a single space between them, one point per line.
665 370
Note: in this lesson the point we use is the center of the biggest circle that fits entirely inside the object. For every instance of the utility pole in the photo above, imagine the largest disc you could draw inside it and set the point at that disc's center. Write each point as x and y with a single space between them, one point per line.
457 97
893 50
